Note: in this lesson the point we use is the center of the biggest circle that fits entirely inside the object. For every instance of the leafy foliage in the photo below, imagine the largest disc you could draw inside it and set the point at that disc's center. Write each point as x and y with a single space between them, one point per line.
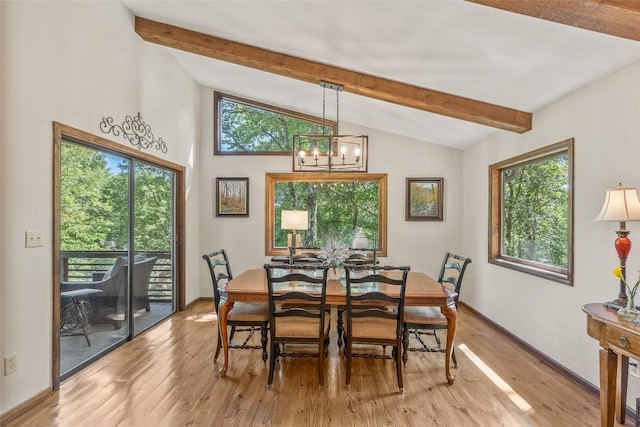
335 208
95 203
536 211
246 127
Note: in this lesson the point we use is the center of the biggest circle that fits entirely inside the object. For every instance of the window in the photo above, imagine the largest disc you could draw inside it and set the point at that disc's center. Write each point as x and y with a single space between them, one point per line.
531 205
338 204
248 127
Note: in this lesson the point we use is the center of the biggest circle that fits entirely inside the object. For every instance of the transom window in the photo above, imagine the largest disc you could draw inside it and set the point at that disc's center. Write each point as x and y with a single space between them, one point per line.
248 127
531 212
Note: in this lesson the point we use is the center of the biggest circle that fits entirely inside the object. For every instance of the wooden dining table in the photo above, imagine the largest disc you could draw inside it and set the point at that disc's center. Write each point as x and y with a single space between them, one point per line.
421 290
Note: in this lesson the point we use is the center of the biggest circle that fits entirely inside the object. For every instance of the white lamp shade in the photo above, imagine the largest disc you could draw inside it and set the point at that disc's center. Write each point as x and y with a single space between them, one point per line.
621 204
295 220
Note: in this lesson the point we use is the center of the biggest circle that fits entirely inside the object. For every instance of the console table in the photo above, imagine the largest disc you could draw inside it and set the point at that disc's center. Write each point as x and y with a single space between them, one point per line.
619 340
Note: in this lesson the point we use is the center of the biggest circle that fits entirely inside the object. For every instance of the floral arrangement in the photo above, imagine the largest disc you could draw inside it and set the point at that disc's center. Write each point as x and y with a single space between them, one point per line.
334 251
632 291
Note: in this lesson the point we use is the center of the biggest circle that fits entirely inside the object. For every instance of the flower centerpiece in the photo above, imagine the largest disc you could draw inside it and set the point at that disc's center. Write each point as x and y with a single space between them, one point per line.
629 312
334 252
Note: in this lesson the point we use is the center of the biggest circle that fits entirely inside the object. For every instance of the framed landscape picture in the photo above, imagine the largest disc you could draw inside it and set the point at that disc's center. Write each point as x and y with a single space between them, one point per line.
425 198
232 197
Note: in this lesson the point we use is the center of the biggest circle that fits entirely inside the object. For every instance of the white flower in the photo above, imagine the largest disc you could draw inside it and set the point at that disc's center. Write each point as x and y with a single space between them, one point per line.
334 251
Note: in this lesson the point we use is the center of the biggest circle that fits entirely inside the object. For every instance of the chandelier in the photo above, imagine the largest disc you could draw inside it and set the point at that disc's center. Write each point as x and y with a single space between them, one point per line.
330 153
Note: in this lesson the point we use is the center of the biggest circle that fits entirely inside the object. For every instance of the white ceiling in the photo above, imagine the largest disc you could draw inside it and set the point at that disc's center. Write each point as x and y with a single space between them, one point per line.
450 46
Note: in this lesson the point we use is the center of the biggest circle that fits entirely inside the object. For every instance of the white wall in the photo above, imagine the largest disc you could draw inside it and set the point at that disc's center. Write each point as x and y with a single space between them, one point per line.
420 245
72 62
604 120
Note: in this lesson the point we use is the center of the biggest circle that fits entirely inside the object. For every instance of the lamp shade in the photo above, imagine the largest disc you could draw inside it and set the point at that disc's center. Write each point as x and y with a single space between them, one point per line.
621 204
295 220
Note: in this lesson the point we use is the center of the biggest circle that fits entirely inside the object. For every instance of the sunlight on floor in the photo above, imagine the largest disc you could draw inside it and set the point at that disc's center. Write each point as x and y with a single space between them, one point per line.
502 385
208 317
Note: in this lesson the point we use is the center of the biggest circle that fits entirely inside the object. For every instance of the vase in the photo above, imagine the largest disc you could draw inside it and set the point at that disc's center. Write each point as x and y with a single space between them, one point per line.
630 313
334 273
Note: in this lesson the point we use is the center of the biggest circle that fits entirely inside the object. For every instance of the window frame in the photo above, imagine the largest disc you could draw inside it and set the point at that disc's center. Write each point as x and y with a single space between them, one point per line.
218 97
560 275
272 178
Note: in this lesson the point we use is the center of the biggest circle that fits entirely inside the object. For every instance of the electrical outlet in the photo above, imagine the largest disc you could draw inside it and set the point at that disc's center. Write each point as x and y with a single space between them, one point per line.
33 239
634 369
10 364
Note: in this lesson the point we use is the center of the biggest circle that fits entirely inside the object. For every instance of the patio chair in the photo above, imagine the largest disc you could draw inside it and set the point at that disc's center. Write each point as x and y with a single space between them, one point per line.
108 306
103 306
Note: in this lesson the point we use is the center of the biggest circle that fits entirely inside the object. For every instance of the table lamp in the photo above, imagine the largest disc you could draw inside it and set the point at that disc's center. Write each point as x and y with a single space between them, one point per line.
294 220
621 205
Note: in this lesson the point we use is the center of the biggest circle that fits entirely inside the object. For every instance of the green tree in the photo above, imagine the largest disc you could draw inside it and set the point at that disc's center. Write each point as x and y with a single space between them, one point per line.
338 208
245 127
536 217
84 211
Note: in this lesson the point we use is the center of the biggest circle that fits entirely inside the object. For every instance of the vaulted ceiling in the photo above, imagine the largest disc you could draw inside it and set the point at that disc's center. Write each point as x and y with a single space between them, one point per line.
450 72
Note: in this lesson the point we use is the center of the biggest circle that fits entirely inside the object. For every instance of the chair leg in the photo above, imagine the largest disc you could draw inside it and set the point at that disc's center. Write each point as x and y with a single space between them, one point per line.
233 331
453 357
321 355
264 341
348 349
399 367
405 343
340 328
218 346
272 362
437 337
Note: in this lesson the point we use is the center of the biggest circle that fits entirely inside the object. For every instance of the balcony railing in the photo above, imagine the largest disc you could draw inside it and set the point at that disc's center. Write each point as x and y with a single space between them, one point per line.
89 266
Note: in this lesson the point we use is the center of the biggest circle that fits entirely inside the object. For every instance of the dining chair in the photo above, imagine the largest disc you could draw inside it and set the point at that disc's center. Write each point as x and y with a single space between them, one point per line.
297 312
357 257
420 321
375 306
244 316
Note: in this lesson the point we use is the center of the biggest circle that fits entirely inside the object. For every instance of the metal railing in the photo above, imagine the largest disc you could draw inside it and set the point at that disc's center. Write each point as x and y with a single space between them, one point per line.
90 266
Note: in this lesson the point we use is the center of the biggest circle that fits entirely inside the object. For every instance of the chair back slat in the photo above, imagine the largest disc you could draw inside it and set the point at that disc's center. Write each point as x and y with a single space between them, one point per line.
375 298
452 272
220 271
288 301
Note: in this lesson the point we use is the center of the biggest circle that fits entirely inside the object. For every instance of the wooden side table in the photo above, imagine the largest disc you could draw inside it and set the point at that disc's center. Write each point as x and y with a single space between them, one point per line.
619 340
75 315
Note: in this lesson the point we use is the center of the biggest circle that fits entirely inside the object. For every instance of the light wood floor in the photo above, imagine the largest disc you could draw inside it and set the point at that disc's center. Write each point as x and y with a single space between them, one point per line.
166 377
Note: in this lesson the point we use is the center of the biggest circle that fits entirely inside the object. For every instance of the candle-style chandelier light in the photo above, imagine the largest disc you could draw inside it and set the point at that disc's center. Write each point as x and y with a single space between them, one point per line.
330 153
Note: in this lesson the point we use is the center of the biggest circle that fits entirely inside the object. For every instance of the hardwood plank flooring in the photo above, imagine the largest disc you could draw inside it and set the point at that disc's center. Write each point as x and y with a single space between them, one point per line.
166 377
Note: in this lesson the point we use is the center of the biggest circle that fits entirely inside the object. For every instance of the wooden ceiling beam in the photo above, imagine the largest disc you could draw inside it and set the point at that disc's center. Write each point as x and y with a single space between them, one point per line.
352 81
620 18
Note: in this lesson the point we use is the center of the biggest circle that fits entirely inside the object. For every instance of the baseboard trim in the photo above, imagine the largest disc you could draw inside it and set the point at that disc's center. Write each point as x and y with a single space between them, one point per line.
196 301
25 406
631 413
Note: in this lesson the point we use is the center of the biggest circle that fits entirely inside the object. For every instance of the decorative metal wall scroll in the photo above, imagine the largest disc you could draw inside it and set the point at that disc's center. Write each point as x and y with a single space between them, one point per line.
135 130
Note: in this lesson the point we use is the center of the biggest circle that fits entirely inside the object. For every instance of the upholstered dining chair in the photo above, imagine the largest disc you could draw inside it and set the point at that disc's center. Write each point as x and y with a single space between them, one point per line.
375 306
421 321
297 312
357 257
243 317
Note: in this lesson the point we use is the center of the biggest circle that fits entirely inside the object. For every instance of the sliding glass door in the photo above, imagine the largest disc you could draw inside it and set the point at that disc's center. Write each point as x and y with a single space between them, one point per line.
117 246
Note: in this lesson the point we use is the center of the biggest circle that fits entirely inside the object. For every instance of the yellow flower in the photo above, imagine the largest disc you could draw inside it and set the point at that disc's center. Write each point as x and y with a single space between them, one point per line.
618 273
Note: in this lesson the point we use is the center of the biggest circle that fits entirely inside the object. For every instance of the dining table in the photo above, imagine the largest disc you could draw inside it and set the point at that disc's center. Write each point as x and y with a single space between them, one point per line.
421 290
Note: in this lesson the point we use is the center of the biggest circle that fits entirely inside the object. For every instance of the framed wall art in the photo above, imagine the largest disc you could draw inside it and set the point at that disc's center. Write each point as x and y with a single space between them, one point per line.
425 199
232 197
